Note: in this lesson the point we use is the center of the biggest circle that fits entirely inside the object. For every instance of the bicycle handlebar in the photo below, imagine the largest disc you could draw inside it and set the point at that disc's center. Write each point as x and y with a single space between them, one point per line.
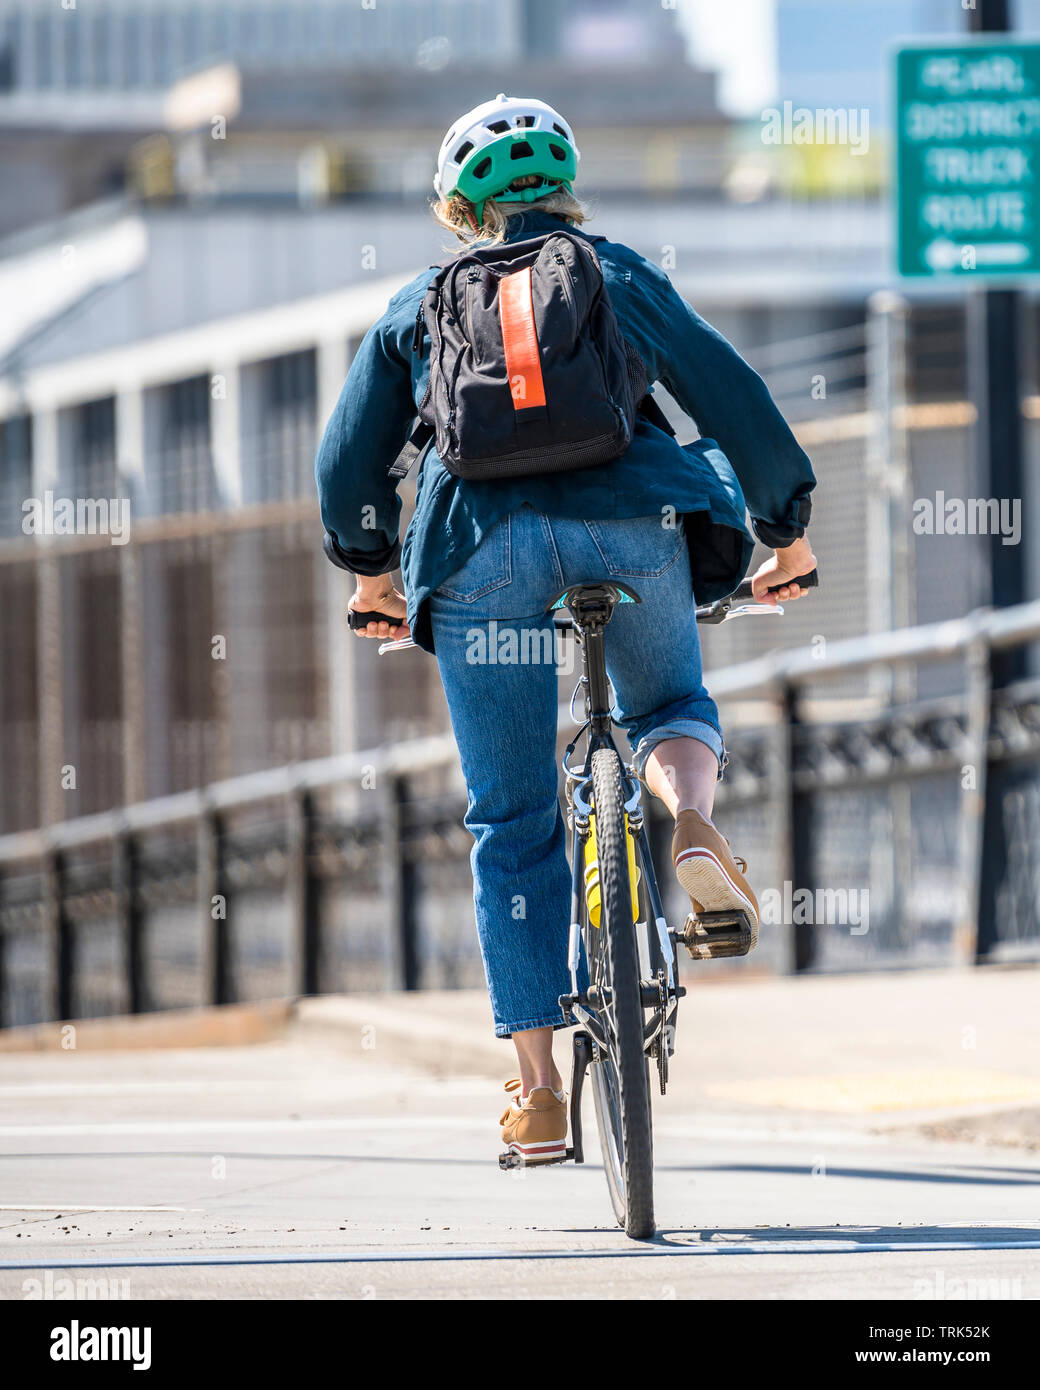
729 607
716 612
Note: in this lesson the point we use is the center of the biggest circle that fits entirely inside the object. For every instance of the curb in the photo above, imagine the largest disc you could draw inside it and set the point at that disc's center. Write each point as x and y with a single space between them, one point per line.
444 1033
222 1025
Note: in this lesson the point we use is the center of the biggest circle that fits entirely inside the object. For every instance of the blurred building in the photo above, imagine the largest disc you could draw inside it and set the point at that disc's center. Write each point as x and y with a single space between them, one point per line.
80 88
98 99
195 252
145 45
597 31
197 247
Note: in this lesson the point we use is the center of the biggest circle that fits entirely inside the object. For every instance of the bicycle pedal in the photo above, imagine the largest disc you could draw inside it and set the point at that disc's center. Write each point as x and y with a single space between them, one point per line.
509 1159
713 935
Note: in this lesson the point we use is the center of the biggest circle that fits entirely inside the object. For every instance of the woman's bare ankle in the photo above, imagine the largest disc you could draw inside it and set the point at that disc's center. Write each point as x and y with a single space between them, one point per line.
554 1082
537 1066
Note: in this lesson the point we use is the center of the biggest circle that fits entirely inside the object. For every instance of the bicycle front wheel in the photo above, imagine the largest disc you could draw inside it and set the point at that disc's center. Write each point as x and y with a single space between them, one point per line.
620 1074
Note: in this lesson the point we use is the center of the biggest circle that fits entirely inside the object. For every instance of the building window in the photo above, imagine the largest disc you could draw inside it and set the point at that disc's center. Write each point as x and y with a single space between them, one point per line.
71 38
43 51
133 43
93 462
287 435
15 472
186 480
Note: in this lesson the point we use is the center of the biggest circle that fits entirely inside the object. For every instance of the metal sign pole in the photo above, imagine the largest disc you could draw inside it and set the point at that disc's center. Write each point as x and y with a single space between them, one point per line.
993 337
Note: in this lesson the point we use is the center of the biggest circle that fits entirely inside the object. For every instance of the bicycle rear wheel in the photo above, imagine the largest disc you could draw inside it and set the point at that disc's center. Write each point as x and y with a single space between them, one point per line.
620 1075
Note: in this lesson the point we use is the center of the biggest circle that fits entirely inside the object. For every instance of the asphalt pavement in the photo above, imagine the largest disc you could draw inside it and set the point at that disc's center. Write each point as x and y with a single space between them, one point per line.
342 1157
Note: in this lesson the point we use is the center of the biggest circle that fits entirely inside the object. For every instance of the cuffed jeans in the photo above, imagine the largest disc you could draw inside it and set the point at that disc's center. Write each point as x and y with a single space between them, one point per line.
495 652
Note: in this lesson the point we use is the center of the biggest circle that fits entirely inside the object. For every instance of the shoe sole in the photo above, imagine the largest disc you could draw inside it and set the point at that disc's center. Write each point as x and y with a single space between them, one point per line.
545 1152
707 880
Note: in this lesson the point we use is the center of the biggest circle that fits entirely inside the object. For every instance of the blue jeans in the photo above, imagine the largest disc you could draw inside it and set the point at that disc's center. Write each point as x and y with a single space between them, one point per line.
495 651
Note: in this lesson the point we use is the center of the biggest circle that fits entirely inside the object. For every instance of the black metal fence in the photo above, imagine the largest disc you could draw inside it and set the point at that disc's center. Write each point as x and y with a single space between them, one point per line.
351 873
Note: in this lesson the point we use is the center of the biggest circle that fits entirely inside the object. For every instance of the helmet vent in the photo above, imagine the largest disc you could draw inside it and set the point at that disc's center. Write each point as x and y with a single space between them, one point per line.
498 127
482 169
463 150
521 150
560 131
557 153
525 120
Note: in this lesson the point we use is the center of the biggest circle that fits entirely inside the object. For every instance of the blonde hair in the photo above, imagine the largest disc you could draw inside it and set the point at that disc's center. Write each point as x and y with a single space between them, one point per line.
457 214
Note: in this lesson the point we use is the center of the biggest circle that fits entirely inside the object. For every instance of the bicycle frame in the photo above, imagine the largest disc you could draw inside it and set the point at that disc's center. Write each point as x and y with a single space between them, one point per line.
612 1012
593 610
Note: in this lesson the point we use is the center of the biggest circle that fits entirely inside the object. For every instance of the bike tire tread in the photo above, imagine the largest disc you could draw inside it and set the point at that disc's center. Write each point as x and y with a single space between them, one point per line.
620 941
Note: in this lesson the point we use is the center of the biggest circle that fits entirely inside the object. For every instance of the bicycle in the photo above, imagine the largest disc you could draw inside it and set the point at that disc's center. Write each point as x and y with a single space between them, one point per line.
626 1015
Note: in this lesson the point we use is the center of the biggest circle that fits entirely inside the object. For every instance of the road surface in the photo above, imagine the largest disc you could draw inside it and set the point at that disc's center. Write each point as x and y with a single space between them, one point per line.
304 1167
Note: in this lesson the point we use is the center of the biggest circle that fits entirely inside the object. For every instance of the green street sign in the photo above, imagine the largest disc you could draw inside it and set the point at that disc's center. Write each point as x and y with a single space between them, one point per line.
967 156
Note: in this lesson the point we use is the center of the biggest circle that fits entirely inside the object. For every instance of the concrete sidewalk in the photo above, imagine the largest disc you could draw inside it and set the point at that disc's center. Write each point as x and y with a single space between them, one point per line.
913 1047
954 1050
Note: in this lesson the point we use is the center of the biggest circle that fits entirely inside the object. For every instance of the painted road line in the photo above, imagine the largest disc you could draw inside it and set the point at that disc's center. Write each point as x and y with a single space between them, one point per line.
389 1124
30 1089
69 1206
786 1247
343 1123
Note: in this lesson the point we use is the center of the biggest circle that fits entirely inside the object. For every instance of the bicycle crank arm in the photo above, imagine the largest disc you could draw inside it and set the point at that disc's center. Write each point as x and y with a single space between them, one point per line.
582 1056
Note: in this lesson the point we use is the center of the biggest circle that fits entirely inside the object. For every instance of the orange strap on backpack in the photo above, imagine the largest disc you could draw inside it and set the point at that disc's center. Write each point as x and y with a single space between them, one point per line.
520 340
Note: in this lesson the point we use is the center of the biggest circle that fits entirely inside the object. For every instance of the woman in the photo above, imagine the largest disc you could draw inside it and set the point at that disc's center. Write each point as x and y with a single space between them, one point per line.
669 519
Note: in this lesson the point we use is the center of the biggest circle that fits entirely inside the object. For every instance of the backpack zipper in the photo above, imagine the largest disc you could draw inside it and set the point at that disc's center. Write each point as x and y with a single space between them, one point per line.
568 288
451 400
420 328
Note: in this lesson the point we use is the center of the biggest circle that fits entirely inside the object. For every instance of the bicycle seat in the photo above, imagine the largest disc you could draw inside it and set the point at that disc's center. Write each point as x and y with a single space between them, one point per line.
593 598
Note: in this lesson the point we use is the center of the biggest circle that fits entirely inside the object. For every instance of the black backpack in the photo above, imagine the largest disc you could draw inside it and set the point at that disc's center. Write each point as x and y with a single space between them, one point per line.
529 372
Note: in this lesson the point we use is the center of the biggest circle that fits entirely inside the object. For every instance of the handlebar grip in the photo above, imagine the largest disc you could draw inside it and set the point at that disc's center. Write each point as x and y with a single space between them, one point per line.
357 620
804 581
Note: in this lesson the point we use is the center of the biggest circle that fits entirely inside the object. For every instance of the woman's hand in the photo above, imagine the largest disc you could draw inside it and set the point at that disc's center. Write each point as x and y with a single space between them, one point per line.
787 564
378 595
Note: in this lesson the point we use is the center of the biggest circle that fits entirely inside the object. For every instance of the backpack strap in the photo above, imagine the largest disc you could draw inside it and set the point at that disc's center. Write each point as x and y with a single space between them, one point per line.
415 447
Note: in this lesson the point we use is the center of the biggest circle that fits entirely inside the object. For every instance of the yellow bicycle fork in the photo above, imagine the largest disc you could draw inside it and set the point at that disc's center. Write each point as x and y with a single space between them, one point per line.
592 889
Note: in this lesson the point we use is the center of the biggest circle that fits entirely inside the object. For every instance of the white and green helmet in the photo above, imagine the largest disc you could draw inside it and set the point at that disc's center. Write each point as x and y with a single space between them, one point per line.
503 140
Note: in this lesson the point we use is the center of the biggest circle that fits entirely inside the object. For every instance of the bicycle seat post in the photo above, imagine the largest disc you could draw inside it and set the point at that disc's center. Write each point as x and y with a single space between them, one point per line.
591 607
595 671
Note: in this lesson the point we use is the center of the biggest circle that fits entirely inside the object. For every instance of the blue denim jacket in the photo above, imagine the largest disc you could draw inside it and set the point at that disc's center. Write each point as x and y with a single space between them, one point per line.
744 437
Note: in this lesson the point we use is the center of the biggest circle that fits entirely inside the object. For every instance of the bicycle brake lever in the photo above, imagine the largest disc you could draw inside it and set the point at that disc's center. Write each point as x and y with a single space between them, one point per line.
747 608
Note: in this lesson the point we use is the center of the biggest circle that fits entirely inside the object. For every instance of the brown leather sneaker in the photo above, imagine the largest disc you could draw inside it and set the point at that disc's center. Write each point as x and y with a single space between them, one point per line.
535 1128
709 871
